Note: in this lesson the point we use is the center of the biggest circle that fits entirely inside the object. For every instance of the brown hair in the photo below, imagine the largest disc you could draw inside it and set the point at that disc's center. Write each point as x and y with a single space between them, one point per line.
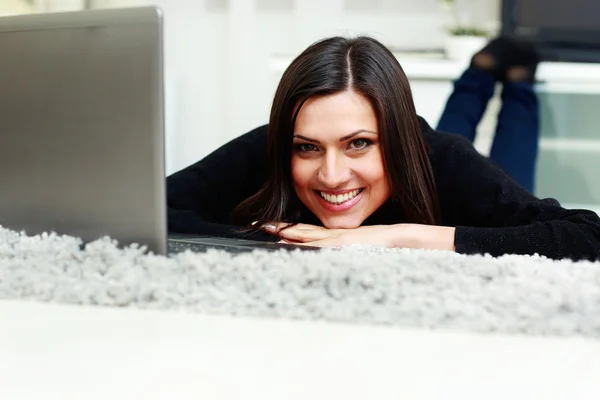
331 66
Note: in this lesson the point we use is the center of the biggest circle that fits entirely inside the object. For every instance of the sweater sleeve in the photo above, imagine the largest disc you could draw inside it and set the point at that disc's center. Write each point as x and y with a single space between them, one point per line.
201 197
495 215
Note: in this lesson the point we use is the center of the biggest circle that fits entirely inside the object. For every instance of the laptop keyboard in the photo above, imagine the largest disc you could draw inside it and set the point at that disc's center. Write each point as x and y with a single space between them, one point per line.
178 245
174 247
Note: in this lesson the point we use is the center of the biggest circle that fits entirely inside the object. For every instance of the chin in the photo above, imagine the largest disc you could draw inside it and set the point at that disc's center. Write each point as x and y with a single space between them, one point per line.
340 223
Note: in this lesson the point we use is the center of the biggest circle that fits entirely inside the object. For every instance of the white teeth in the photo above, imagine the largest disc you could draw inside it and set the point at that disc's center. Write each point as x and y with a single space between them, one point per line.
340 198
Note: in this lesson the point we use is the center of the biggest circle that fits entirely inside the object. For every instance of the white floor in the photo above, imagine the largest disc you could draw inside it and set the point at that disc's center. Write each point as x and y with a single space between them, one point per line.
73 352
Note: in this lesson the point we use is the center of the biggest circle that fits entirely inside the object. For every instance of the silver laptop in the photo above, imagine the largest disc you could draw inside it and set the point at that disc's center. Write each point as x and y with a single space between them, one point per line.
82 127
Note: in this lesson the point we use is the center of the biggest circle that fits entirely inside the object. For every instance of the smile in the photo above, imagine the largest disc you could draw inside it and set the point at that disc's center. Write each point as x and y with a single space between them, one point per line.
339 198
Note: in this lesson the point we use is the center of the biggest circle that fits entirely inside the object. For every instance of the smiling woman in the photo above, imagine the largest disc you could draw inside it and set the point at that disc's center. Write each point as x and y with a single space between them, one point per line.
346 160
340 177
336 95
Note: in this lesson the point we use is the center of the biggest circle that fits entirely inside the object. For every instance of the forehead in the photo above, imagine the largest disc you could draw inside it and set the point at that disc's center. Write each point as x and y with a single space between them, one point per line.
335 115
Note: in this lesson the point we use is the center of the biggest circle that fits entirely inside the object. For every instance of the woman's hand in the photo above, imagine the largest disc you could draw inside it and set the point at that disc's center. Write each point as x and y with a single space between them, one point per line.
399 235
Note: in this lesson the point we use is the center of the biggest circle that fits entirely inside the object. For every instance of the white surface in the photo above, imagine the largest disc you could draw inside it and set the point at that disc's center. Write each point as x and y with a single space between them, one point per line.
73 352
462 48
15 7
61 5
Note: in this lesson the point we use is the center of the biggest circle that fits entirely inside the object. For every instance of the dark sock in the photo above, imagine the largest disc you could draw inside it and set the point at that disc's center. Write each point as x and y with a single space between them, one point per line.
503 51
525 64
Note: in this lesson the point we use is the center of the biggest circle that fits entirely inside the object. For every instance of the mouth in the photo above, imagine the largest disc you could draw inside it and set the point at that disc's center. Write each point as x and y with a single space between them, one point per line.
337 199
340 201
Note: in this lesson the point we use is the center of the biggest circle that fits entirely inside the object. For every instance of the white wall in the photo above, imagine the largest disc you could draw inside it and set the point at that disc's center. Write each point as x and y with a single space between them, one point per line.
217 54
15 7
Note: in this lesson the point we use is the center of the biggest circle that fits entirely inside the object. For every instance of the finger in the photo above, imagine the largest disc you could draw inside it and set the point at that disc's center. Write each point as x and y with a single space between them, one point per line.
330 243
286 225
283 241
274 227
308 227
305 235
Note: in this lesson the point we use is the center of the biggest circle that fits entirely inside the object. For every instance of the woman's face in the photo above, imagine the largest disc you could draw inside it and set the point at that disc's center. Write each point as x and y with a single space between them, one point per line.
337 165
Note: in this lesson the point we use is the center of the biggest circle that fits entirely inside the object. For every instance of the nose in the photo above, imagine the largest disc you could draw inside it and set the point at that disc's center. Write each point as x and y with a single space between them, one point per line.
334 171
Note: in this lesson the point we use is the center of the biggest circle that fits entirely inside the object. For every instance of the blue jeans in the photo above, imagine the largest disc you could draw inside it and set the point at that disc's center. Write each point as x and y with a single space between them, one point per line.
515 145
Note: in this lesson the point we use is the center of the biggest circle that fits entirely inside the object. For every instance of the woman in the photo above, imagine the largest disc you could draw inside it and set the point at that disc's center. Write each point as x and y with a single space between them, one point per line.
346 160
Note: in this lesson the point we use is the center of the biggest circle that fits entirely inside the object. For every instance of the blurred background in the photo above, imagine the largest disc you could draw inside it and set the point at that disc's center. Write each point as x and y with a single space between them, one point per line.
224 58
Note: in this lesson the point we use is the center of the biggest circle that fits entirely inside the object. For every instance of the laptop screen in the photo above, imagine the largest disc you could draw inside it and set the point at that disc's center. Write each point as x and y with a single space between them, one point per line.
81 125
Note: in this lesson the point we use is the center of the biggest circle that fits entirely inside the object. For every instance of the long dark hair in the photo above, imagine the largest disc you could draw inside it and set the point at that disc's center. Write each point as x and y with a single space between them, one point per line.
331 66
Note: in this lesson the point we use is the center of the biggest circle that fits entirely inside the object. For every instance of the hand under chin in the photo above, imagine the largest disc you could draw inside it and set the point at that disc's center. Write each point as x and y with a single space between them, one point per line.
341 222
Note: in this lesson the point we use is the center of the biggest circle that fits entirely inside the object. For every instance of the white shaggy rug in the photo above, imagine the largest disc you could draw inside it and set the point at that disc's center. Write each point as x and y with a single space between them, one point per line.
511 294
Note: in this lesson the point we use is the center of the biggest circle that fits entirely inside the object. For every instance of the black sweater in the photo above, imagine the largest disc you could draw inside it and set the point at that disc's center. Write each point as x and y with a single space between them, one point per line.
492 214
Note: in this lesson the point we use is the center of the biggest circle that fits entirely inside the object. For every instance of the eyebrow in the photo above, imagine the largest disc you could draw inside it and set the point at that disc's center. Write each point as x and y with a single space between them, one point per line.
342 139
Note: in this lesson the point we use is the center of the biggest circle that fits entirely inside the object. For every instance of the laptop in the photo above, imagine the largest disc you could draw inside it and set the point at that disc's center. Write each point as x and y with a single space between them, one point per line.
82 129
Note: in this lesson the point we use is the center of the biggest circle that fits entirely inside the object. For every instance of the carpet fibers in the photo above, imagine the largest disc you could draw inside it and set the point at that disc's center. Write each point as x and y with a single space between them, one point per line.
431 289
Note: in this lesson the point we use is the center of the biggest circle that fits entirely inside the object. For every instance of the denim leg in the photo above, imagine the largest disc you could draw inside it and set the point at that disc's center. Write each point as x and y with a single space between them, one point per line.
515 145
467 103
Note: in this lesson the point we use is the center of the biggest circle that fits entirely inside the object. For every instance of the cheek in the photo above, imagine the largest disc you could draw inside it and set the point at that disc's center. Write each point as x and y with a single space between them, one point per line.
302 172
371 171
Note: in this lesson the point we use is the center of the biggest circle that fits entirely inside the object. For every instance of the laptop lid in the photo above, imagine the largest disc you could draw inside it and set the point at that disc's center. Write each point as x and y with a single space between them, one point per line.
81 125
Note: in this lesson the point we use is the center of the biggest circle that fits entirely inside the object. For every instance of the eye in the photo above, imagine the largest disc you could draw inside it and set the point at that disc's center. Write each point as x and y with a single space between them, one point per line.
305 147
360 144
